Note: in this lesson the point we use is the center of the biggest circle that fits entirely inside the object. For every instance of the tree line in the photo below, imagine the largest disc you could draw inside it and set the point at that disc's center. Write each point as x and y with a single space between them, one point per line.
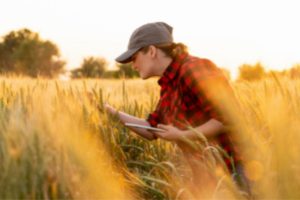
23 52
257 72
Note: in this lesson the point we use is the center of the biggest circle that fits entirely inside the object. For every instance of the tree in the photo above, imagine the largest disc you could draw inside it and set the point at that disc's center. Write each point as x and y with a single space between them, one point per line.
23 52
126 70
91 67
251 72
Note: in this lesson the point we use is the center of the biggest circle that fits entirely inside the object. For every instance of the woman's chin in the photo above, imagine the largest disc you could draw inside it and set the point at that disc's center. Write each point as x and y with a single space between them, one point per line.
143 76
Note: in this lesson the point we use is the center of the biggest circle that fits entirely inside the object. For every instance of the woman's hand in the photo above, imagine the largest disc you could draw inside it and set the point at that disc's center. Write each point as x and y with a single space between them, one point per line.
111 110
171 133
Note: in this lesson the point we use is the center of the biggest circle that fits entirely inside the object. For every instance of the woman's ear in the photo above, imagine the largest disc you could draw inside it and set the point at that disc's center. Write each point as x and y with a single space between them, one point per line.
152 51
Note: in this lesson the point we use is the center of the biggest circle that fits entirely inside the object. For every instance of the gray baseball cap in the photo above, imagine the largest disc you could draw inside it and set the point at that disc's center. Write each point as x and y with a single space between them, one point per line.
148 34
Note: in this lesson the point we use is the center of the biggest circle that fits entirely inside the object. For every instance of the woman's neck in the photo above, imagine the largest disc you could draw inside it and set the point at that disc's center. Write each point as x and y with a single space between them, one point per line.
163 64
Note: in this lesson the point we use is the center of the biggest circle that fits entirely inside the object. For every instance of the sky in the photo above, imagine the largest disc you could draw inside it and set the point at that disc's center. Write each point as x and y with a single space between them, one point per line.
229 33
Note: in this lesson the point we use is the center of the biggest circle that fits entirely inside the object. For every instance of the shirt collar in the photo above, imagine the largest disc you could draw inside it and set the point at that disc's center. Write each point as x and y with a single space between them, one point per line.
172 70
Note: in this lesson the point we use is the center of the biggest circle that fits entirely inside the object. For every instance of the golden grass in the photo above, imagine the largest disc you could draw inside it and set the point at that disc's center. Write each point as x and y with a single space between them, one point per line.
55 142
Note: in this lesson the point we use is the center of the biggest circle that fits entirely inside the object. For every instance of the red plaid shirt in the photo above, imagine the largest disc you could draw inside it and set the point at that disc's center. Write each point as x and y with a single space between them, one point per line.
183 102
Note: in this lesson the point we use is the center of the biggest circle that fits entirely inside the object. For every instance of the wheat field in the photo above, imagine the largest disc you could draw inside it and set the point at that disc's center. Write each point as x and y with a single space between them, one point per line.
56 142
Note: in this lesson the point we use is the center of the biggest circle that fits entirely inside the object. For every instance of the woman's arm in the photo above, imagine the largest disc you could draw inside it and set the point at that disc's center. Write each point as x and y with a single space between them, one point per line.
209 129
126 118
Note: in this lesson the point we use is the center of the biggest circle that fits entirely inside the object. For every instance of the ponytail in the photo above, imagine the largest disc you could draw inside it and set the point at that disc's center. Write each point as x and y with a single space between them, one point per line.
173 50
170 49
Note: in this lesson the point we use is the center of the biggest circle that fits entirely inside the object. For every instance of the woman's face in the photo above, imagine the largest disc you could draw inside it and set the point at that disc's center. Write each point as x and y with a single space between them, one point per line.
144 63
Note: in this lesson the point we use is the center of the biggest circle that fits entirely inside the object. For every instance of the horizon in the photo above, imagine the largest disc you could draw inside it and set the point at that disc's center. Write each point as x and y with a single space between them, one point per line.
229 33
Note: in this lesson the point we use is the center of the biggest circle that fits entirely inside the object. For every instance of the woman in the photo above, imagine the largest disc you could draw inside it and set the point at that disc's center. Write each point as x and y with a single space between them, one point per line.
189 86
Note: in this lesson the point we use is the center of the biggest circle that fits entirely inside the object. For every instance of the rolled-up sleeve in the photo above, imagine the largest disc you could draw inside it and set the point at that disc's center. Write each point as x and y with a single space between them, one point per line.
153 118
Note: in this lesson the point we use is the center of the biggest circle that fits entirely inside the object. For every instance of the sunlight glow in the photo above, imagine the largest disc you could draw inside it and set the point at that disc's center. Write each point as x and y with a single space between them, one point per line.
229 33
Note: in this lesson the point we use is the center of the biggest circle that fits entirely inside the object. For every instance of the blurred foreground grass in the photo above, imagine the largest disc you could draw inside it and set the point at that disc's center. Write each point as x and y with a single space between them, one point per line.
56 143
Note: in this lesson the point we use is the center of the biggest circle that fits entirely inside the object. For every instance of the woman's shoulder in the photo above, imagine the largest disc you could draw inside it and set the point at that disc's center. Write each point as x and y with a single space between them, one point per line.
197 64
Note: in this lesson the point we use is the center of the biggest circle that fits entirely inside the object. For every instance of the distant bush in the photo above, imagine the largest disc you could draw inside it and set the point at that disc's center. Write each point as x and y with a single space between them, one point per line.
91 67
126 70
251 72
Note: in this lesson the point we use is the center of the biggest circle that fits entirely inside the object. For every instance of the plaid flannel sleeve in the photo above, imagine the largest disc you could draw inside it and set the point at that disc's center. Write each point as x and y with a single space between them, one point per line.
154 117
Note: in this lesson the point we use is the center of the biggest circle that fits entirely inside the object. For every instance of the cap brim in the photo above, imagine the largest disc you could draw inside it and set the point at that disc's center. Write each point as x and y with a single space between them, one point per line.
126 57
